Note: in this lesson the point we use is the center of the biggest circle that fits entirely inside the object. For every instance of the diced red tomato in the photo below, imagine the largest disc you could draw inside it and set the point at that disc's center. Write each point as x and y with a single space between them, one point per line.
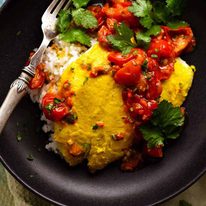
112 12
131 163
142 85
96 71
102 35
120 2
182 38
163 69
166 70
152 65
161 49
98 13
155 88
53 107
119 59
120 12
139 108
156 152
140 55
129 74
39 78
110 24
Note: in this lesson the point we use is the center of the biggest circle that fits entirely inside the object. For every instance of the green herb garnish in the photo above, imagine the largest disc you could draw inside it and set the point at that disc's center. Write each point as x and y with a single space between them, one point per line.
30 157
86 80
84 18
143 10
95 127
166 123
145 66
80 3
72 22
49 107
19 137
76 35
154 56
122 39
57 101
71 118
64 20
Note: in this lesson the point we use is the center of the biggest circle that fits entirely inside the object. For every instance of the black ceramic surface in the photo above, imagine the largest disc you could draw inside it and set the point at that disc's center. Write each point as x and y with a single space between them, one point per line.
48 175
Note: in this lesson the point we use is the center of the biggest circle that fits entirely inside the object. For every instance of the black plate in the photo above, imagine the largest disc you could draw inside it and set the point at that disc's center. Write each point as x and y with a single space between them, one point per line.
48 175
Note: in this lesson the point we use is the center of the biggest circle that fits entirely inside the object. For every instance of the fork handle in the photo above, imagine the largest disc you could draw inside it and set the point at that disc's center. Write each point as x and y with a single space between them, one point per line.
19 87
17 90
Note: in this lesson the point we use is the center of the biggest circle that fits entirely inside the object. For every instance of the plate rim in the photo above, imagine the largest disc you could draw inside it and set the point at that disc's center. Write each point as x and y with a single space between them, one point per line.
50 200
19 180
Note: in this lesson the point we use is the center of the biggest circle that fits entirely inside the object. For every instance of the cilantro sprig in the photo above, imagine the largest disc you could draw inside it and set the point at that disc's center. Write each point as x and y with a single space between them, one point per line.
72 23
122 39
157 12
166 123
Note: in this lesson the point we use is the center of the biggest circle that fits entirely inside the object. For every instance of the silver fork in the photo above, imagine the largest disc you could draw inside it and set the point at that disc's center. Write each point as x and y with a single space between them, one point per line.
19 87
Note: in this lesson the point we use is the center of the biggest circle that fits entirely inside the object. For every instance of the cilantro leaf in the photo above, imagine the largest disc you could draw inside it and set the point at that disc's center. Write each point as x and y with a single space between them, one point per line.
84 18
124 31
184 203
76 35
144 38
166 115
175 6
166 123
122 39
143 9
146 22
152 135
80 3
64 20
177 24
